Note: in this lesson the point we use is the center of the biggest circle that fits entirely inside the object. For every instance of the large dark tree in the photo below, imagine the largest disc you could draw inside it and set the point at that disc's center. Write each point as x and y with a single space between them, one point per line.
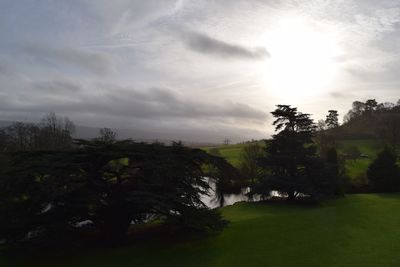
291 160
389 130
110 184
332 120
370 106
384 173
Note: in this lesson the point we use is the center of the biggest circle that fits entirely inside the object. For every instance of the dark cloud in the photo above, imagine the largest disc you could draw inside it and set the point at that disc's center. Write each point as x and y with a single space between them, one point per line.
205 44
152 113
151 104
56 87
94 62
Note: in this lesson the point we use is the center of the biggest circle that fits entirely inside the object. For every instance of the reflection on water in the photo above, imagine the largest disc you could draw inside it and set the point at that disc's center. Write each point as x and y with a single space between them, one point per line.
212 202
229 199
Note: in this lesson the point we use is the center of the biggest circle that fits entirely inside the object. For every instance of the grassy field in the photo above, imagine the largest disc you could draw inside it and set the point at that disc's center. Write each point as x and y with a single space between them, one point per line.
356 170
357 230
231 153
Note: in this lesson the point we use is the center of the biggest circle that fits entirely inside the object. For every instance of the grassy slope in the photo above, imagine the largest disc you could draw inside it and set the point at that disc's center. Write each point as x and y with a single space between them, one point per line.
230 152
356 170
358 230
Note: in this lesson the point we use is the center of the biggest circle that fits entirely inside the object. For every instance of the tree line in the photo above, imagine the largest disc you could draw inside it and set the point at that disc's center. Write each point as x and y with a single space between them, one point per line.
302 158
51 133
48 189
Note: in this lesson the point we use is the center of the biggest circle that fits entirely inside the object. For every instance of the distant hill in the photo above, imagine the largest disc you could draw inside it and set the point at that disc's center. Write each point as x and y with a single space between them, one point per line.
366 126
87 132
358 128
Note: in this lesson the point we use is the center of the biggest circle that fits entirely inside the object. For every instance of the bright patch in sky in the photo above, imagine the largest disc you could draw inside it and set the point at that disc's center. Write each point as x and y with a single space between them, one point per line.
191 69
303 58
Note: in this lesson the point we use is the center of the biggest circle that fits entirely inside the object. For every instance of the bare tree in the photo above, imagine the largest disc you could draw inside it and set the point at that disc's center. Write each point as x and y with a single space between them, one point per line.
56 131
227 141
107 135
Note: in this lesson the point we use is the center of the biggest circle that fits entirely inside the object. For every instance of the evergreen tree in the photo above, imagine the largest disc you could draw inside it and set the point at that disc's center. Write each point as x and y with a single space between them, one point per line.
332 120
291 160
47 193
384 173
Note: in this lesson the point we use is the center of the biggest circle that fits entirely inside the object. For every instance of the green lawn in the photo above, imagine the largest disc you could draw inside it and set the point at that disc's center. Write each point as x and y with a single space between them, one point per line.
354 231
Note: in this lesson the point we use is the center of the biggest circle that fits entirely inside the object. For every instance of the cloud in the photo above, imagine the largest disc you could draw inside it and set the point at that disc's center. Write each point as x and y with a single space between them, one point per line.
152 113
205 44
94 62
340 95
56 87
152 104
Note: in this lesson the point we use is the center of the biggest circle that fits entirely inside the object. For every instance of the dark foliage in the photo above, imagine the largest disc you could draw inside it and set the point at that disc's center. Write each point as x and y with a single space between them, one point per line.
332 119
293 167
384 173
47 194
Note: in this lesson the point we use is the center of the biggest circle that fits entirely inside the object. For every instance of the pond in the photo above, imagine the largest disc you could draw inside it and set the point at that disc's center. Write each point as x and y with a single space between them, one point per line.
229 199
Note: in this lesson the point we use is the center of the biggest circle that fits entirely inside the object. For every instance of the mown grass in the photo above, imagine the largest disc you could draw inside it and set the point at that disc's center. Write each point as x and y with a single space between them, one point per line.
357 230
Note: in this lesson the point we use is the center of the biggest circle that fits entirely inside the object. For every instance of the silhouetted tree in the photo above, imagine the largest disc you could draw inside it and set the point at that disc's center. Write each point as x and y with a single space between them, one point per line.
56 131
336 168
291 157
3 140
322 138
332 120
249 161
227 141
389 130
107 135
47 193
384 173
370 106
357 110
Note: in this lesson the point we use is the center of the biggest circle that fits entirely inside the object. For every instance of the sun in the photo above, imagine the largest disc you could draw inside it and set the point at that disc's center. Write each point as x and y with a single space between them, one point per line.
302 59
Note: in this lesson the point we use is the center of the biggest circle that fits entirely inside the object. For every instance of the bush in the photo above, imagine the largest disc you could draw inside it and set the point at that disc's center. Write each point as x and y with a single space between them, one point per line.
384 173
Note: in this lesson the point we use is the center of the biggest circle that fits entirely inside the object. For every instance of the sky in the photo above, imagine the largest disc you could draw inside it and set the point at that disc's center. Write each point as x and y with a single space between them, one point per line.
194 70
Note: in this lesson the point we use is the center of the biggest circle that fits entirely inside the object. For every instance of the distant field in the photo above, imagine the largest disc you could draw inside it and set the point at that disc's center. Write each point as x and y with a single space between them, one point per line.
356 170
231 153
353 231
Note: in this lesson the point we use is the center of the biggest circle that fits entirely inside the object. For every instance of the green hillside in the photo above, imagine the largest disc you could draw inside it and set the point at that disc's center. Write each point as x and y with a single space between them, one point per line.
357 230
231 153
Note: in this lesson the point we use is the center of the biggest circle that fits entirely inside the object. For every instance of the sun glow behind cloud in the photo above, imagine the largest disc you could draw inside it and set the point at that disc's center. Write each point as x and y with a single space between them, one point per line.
303 59
246 56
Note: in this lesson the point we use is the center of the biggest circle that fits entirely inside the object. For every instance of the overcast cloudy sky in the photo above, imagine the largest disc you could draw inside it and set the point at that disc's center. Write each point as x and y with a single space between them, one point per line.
191 69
